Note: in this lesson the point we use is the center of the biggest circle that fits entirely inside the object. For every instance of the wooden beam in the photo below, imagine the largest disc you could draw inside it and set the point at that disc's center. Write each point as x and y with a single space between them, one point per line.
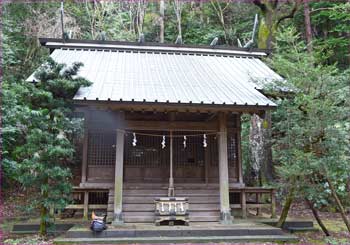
90 206
225 211
118 182
171 125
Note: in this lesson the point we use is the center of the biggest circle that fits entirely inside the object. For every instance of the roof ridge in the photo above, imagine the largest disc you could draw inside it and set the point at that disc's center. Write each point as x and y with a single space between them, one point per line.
54 43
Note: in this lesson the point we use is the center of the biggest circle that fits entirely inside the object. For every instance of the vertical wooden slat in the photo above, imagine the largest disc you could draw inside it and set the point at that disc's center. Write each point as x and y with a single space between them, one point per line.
273 204
171 191
258 197
239 150
85 147
86 205
206 162
225 211
244 204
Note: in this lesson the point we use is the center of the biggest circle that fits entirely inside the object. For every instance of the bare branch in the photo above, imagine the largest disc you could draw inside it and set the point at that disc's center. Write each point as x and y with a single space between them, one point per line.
291 13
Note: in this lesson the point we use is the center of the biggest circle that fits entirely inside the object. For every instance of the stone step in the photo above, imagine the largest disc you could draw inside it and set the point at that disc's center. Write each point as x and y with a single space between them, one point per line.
302 229
162 240
142 230
292 223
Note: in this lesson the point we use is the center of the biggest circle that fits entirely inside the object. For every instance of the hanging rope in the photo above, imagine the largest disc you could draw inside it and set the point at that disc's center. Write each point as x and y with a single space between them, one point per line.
174 136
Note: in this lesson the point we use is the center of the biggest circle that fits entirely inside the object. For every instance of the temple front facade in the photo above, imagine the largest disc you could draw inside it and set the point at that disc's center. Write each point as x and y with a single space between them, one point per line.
164 121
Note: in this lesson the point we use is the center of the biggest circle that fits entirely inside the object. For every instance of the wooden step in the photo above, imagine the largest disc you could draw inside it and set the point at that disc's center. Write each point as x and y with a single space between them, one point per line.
177 192
151 219
150 199
139 219
131 207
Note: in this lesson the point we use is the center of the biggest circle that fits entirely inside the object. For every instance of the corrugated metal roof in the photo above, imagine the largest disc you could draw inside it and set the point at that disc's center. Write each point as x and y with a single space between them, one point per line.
158 76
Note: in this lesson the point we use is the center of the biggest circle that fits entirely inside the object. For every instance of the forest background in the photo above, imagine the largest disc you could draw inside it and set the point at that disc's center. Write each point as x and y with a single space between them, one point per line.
309 43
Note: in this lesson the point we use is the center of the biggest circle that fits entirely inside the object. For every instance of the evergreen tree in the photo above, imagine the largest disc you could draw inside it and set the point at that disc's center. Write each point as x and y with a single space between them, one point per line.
38 128
311 123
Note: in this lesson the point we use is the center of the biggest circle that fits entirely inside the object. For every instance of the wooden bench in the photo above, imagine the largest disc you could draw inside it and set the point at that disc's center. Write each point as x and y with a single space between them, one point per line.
258 192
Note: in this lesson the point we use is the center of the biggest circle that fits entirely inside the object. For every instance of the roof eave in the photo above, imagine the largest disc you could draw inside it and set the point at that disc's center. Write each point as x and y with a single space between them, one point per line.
151 106
56 43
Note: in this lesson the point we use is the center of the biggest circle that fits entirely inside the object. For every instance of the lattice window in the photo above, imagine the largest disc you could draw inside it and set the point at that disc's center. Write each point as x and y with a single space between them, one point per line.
193 154
101 147
148 151
232 148
98 197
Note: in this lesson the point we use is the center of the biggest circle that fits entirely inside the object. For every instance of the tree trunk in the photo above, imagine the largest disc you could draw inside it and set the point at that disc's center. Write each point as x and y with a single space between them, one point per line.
271 17
201 16
260 147
266 37
220 13
339 204
317 217
178 12
161 20
308 32
286 206
44 212
267 30
43 223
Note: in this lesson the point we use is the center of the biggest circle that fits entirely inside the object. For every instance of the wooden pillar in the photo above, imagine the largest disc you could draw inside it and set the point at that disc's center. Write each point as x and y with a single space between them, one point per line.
118 181
86 205
273 204
225 211
85 147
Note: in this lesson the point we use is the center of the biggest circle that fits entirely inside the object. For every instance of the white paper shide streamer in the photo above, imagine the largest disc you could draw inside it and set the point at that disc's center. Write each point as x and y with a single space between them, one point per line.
163 142
205 141
185 138
134 140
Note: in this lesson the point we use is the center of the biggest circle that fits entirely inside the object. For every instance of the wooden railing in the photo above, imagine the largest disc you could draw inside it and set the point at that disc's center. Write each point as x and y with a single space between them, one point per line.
258 192
83 193
245 199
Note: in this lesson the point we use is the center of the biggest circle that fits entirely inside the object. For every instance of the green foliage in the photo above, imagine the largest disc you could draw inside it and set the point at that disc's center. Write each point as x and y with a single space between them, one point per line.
333 30
311 123
38 134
